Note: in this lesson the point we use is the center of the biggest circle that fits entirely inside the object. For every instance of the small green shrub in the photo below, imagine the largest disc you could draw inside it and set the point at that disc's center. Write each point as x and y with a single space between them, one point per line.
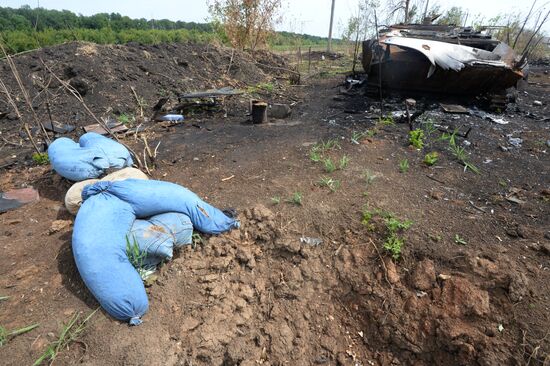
431 158
416 138
276 200
41 158
394 245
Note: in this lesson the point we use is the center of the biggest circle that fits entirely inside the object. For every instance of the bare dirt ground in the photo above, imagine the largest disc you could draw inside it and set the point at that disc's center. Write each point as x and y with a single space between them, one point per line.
471 286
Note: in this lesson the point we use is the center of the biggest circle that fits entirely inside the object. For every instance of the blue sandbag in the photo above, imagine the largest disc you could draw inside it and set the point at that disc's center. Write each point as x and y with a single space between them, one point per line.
71 161
117 154
179 225
89 159
157 236
99 249
152 197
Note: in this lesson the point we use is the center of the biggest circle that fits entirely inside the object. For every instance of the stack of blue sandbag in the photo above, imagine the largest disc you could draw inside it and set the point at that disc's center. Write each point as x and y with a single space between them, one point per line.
89 158
157 216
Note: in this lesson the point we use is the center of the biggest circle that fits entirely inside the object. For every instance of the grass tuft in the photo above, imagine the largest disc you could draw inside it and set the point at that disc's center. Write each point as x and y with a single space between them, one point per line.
70 333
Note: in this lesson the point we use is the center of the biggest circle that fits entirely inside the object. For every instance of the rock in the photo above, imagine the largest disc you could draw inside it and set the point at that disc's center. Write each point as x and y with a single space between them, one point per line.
423 277
59 225
462 298
523 232
436 195
244 256
392 274
538 103
518 287
189 323
279 111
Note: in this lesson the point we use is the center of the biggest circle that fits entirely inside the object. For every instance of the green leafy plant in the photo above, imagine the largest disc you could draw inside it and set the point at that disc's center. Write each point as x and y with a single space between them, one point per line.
41 158
393 226
124 118
332 184
276 200
366 218
416 138
394 245
296 199
196 240
431 158
460 240
70 333
6 335
344 162
135 255
404 165
329 165
386 121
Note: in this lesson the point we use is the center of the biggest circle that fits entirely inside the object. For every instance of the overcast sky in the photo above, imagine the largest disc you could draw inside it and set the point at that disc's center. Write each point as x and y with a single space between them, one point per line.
301 16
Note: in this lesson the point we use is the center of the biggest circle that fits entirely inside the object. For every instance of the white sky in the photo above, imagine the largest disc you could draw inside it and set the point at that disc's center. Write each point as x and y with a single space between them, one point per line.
302 16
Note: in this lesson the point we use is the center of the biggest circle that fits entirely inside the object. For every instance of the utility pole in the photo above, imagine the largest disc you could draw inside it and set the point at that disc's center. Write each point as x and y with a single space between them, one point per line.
425 11
330 29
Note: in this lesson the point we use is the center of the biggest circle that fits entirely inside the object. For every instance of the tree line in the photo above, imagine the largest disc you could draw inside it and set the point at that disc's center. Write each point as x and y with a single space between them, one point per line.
26 28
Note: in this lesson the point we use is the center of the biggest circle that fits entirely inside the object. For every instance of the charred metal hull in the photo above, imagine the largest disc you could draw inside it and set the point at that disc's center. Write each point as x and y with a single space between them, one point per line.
407 70
398 62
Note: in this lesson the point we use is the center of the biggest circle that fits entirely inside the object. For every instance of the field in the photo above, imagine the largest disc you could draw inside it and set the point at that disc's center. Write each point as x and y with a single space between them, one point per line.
418 264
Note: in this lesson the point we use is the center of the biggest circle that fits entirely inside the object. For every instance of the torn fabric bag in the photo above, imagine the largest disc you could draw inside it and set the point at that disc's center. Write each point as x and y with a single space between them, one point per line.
157 236
89 159
99 249
152 197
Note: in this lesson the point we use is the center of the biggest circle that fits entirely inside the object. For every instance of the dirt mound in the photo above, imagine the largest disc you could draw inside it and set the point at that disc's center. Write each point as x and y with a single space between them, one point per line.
104 75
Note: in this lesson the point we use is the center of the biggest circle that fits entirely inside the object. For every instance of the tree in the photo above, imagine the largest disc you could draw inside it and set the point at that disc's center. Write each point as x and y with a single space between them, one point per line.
247 23
453 16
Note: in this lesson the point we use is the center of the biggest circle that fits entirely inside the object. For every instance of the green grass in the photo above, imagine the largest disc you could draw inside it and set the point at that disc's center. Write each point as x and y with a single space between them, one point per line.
318 151
344 162
135 255
330 183
431 158
386 121
329 165
357 137
41 158
459 240
261 87
70 333
6 335
404 165
296 199
416 138
460 154
369 177
276 200
125 119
